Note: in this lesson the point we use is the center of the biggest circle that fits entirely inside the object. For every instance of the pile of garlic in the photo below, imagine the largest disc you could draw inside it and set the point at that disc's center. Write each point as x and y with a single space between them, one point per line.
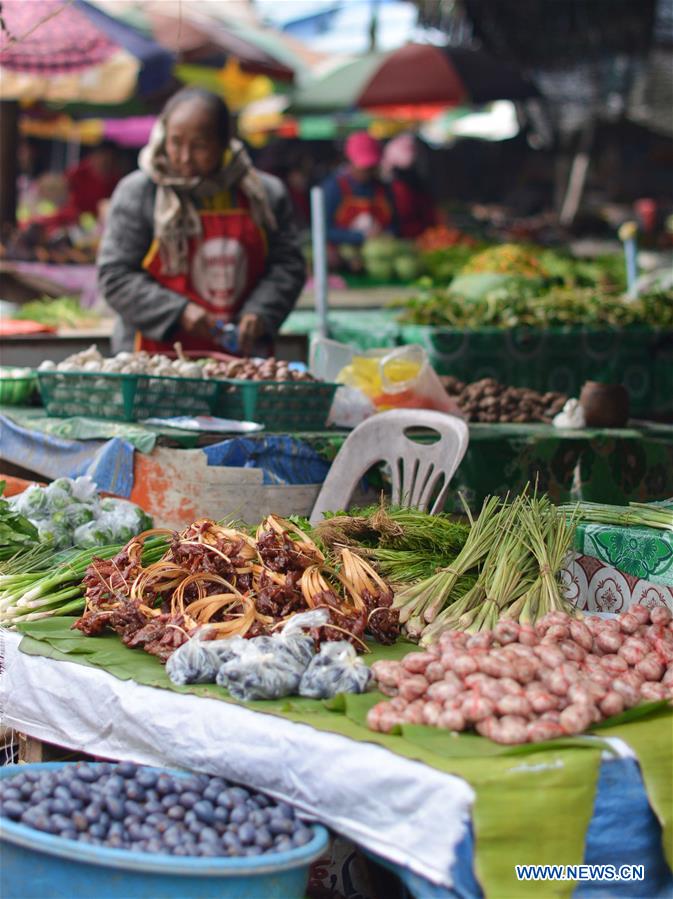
141 363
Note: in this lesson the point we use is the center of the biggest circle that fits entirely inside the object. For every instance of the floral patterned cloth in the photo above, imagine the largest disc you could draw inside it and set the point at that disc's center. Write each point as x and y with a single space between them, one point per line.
594 585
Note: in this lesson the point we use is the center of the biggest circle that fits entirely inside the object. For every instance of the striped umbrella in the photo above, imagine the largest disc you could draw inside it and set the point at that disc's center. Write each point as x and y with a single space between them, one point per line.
417 79
66 50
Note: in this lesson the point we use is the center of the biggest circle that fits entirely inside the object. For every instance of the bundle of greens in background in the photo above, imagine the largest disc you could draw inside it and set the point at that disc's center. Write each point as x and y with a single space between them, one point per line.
72 513
404 545
17 534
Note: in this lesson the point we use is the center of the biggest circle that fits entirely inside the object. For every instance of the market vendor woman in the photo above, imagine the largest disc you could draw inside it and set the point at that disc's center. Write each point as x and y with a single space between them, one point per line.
198 237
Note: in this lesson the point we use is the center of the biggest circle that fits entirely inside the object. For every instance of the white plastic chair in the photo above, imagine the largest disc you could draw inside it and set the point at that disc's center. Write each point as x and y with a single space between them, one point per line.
417 468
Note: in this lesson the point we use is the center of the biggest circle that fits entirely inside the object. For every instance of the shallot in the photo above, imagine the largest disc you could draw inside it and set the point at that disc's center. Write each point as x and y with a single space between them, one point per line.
519 684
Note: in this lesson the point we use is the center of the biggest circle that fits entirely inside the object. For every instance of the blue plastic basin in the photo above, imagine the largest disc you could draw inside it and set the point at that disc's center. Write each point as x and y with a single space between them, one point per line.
36 865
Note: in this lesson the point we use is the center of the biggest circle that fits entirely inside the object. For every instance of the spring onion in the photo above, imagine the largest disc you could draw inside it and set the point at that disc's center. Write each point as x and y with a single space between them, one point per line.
41 593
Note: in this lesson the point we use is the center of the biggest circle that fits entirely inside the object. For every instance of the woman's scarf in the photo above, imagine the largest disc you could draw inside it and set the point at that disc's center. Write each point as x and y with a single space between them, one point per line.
176 216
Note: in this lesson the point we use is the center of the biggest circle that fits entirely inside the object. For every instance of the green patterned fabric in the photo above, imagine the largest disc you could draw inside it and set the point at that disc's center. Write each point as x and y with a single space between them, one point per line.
641 359
141 437
645 553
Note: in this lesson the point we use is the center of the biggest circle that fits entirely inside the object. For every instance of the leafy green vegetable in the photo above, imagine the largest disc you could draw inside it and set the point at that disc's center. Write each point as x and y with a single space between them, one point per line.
17 534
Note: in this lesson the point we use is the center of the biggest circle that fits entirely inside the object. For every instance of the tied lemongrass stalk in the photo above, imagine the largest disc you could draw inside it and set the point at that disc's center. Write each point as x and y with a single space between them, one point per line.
650 515
548 534
478 544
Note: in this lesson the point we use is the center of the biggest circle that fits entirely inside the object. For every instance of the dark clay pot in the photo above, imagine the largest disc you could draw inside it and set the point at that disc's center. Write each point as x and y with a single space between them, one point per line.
605 405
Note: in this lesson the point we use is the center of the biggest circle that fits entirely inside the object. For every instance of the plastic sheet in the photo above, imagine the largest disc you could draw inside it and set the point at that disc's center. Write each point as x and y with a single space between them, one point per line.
109 464
283 459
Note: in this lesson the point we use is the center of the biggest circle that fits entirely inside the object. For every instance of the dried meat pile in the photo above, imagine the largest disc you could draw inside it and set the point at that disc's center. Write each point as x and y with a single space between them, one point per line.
231 583
518 683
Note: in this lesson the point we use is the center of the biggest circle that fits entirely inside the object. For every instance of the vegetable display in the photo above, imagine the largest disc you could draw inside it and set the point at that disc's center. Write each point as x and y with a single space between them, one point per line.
125 806
440 237
517 683
71 513
234 584
42 584
143 363
402 544
272 667
508 259
254 370
488 401
125 363
17 533
61 312
520 303
516 550
16 385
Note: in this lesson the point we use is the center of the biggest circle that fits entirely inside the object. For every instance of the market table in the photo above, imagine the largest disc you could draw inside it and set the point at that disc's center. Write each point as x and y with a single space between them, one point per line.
610 466
404 806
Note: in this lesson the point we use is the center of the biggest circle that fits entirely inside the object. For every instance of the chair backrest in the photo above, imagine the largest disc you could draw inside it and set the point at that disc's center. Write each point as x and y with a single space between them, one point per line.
417 468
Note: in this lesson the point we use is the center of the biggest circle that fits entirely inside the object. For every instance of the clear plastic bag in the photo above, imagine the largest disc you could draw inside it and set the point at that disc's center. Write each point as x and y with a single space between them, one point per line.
399 378
263 669
299 644
336 669
198 660
271 667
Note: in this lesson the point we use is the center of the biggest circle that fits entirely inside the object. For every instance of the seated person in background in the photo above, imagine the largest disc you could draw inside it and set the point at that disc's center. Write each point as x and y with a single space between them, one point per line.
93 179
413 204
358 205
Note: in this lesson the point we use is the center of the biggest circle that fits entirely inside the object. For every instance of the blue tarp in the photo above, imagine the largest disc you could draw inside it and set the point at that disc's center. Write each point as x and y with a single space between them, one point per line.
109 463
284 460
623 831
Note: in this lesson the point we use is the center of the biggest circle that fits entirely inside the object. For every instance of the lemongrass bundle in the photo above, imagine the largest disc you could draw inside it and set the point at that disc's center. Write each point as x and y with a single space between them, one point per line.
650 515
425 600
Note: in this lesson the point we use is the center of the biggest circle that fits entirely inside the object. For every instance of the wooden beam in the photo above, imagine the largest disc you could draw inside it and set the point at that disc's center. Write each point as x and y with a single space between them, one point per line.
9 131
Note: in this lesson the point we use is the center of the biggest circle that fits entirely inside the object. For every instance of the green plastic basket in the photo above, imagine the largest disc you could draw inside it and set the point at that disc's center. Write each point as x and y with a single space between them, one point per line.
120 397
278 405
14 391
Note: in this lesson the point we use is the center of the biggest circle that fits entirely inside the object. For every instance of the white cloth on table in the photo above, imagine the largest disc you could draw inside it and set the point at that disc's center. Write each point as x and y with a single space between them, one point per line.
400 809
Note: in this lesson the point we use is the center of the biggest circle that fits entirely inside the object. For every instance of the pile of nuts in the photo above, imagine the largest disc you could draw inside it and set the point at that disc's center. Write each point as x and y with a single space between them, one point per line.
254 370
489 401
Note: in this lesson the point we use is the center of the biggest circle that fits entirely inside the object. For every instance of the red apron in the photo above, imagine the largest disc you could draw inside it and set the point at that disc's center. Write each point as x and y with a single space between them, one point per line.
360 212
225 264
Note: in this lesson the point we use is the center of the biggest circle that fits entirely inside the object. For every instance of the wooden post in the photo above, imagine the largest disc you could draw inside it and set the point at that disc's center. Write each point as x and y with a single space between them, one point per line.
9 130
578 175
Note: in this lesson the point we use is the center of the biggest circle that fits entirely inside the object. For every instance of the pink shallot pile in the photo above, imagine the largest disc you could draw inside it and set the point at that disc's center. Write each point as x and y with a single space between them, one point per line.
521 683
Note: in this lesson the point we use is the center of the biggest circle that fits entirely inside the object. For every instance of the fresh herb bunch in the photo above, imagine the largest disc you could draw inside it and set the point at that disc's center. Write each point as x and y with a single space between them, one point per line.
17 534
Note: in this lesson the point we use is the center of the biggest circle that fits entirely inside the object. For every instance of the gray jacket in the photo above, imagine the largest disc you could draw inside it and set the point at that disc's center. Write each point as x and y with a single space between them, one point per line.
145 305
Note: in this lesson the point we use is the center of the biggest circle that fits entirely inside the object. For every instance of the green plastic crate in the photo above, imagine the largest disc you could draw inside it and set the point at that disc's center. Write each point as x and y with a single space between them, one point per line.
15 391
121 397
278 405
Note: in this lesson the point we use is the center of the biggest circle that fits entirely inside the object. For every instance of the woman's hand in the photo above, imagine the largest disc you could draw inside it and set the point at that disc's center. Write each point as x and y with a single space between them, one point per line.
250 330
196 321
